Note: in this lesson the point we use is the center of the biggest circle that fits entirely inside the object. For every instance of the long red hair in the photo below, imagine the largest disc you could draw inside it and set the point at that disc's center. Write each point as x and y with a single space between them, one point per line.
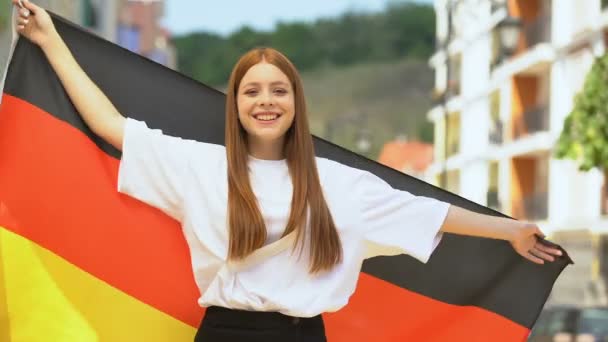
246 225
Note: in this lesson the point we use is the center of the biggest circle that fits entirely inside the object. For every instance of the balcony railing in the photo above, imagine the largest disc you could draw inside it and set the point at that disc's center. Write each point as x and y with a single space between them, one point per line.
533 207
453 88
453 148
440 43
496 5
492 200
604 194
533 120
538 30
495 136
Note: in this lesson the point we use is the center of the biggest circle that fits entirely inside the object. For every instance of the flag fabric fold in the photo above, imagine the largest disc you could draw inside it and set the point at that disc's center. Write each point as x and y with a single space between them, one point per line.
79 261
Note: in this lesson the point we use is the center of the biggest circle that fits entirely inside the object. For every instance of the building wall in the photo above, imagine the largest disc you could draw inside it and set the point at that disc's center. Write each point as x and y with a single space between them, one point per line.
140 31
549 73
155 43
69 9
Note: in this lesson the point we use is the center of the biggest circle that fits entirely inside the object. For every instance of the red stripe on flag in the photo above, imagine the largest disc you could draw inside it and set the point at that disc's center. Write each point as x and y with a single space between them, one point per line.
49 166
381 311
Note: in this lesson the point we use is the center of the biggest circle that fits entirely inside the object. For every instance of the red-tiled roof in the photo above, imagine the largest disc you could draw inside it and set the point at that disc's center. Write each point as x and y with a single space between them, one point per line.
407 156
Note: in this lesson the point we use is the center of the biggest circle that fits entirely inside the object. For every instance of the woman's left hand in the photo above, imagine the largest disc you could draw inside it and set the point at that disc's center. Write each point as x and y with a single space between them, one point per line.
525 241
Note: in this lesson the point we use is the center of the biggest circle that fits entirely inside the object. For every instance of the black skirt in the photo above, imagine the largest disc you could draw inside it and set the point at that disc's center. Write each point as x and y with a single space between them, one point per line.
227 325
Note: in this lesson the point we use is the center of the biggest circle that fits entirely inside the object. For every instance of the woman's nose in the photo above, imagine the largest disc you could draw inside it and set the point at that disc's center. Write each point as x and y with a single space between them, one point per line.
266 99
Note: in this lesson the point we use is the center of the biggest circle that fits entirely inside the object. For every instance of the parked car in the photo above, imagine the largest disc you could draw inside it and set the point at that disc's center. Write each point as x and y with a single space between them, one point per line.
571 324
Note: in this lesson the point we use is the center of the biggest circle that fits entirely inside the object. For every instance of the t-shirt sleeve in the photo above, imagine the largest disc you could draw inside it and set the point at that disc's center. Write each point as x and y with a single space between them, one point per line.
398 222
154 167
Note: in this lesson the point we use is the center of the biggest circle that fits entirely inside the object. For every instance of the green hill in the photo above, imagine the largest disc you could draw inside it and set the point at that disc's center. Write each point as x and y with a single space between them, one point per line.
382 100
365 74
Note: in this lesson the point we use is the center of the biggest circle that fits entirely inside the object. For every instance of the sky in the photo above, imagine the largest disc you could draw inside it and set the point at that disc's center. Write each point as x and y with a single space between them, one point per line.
226 16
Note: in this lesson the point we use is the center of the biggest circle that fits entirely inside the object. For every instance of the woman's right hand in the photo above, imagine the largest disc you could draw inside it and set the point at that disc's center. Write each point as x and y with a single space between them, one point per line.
34 23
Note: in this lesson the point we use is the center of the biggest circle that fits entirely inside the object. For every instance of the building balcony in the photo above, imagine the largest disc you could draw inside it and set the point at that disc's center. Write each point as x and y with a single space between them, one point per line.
453 148
492 200
532 207
453 88
495 136
441 43
531 121
537 31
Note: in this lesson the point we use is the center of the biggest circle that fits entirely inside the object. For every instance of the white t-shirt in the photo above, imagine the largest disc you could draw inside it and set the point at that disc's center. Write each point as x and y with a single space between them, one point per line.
188 181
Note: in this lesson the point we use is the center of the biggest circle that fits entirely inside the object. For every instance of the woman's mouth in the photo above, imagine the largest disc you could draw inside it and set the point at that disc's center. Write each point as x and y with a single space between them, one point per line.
267 117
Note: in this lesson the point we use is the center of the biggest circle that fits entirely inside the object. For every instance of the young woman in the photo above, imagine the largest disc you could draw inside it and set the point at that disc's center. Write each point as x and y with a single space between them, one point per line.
276 235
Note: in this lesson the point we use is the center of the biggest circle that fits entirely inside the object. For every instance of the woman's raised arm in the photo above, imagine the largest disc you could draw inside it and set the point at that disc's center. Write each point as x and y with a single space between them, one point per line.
98 112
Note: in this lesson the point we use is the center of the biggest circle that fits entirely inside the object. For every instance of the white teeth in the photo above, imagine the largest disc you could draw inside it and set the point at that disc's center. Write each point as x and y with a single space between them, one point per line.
268 117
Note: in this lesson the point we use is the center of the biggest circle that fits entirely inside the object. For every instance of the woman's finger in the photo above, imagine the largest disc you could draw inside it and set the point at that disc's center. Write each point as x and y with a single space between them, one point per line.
30 6
24 12
547 249
22 21
541 254
534 258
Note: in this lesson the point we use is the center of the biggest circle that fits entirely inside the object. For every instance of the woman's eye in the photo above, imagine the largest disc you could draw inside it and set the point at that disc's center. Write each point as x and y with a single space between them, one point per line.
251 92
280 91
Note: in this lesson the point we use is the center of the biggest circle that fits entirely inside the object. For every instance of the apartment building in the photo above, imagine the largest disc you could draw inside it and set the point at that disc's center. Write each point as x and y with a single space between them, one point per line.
500 106
133 24
139 30
98 15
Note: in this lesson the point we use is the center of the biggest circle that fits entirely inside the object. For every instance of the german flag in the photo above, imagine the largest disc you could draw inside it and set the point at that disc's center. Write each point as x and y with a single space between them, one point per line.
81 262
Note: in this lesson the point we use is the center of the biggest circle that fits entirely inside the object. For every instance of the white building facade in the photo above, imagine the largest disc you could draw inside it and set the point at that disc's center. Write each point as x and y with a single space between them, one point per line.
498 116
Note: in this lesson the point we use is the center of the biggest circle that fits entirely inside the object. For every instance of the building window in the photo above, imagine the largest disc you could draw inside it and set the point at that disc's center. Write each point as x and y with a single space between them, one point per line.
538 30
530 105
536 19
529 191
128 38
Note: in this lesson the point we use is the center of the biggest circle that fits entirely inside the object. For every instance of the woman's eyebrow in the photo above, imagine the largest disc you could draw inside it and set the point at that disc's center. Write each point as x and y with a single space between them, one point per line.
257 84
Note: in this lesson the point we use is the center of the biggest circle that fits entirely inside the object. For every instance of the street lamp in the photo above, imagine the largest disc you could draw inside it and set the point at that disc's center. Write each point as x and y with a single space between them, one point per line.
509 30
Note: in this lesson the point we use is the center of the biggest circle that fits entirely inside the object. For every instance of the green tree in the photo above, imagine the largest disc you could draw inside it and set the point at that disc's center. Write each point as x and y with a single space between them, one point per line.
413 27
402 30
5 14
585 133
289 37
198 56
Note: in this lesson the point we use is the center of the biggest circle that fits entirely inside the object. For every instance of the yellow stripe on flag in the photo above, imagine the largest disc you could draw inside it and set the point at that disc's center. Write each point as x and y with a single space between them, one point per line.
49 299
4 331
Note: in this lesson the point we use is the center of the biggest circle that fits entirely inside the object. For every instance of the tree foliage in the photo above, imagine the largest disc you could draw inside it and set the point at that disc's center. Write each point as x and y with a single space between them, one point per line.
401 30
584 137
5 13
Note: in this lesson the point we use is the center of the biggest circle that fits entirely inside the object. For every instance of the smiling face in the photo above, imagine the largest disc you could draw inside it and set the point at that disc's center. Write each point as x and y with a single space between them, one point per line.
266 106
